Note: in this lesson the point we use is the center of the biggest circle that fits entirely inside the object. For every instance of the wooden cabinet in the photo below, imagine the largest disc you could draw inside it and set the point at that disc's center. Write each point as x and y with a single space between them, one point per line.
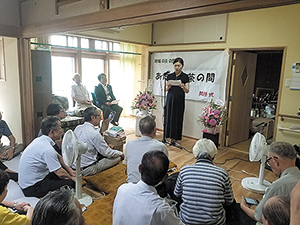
42 85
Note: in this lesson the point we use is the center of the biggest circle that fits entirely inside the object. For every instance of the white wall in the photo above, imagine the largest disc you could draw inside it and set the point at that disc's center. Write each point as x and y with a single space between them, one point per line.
140 34
262 28
33 11
10 103
191 30
9 13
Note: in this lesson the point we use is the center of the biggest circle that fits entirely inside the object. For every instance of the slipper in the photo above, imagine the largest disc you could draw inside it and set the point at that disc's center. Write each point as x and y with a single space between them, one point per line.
176 144
170 143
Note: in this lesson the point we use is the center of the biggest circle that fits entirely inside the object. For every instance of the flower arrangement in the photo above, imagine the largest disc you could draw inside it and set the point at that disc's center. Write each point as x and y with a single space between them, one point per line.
144 101
213 115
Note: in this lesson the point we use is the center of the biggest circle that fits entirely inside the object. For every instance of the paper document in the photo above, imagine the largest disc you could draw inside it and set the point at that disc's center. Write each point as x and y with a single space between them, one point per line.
294 127
115 102
174 82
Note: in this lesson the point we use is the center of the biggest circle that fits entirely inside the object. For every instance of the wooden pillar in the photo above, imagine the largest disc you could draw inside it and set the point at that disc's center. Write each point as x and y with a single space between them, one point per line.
26 90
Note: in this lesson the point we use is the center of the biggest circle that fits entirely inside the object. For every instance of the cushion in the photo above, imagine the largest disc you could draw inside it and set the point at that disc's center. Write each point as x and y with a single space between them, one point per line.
109 180
100 211
172 165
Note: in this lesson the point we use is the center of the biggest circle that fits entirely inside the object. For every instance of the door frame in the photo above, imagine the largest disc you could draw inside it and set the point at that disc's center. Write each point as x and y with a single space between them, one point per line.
229 82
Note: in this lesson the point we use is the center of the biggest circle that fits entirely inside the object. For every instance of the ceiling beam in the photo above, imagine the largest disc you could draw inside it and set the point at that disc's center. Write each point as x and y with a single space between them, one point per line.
147 12
10 31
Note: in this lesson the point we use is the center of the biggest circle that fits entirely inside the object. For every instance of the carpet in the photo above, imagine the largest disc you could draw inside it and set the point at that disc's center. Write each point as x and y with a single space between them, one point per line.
100 211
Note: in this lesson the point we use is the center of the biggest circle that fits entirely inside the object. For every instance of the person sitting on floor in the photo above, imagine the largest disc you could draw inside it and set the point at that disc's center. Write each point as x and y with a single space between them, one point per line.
99 155
139 203
41 168
12 174
80 95
276 211
205 188
135 149
13 149
282 157
54 109
7 216
59 207
104 97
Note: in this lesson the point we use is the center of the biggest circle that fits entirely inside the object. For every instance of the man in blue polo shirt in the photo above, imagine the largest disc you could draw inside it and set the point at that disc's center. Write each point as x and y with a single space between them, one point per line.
7 152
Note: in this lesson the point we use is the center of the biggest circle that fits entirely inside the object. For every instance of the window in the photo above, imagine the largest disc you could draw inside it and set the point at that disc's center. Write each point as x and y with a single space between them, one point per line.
92 64
2 61
116 78
84 43
101 45
116 47
72 41
58 40
63 68
91 68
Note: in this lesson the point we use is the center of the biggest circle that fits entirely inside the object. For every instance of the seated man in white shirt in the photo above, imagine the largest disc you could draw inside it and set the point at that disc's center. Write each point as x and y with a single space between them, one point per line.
135 149
99 155
139 203
80 94
41 168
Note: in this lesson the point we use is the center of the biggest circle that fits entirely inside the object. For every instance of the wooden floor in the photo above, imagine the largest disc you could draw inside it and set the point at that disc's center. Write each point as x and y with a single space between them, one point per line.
234 160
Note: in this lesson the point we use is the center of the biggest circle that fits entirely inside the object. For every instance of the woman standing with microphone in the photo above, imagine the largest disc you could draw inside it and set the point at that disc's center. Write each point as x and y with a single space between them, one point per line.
177 86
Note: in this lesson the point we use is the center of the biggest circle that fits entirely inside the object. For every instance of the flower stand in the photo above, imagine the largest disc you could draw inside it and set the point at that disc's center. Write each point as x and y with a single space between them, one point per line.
212 136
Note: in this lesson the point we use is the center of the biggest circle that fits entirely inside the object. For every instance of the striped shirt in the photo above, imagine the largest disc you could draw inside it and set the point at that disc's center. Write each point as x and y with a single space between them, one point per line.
204 189
4 129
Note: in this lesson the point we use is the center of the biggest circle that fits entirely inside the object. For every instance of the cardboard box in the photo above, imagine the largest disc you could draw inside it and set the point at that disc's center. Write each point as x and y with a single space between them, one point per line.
115 142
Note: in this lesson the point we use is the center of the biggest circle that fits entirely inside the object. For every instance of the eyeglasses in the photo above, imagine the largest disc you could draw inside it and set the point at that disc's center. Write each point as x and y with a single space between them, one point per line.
268 160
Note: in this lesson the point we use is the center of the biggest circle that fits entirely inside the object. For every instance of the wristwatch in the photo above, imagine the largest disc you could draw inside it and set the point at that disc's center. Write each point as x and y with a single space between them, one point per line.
14 207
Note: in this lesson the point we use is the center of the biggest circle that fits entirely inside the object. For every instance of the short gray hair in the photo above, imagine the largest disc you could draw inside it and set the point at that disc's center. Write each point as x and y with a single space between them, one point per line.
283 149
277 210
58 207
147 125
205 148
49 123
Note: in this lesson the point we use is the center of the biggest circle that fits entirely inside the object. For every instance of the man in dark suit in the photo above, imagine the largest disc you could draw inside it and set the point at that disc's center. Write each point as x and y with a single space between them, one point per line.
104 99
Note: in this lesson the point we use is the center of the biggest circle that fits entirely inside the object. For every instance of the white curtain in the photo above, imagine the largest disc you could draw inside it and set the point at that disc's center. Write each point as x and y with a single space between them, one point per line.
128 75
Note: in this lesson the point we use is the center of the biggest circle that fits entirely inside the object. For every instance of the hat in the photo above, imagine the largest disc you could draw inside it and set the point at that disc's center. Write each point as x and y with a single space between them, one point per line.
203 146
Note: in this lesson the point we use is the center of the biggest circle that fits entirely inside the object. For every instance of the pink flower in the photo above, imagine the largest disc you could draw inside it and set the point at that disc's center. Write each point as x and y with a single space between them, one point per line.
213 122
217 112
